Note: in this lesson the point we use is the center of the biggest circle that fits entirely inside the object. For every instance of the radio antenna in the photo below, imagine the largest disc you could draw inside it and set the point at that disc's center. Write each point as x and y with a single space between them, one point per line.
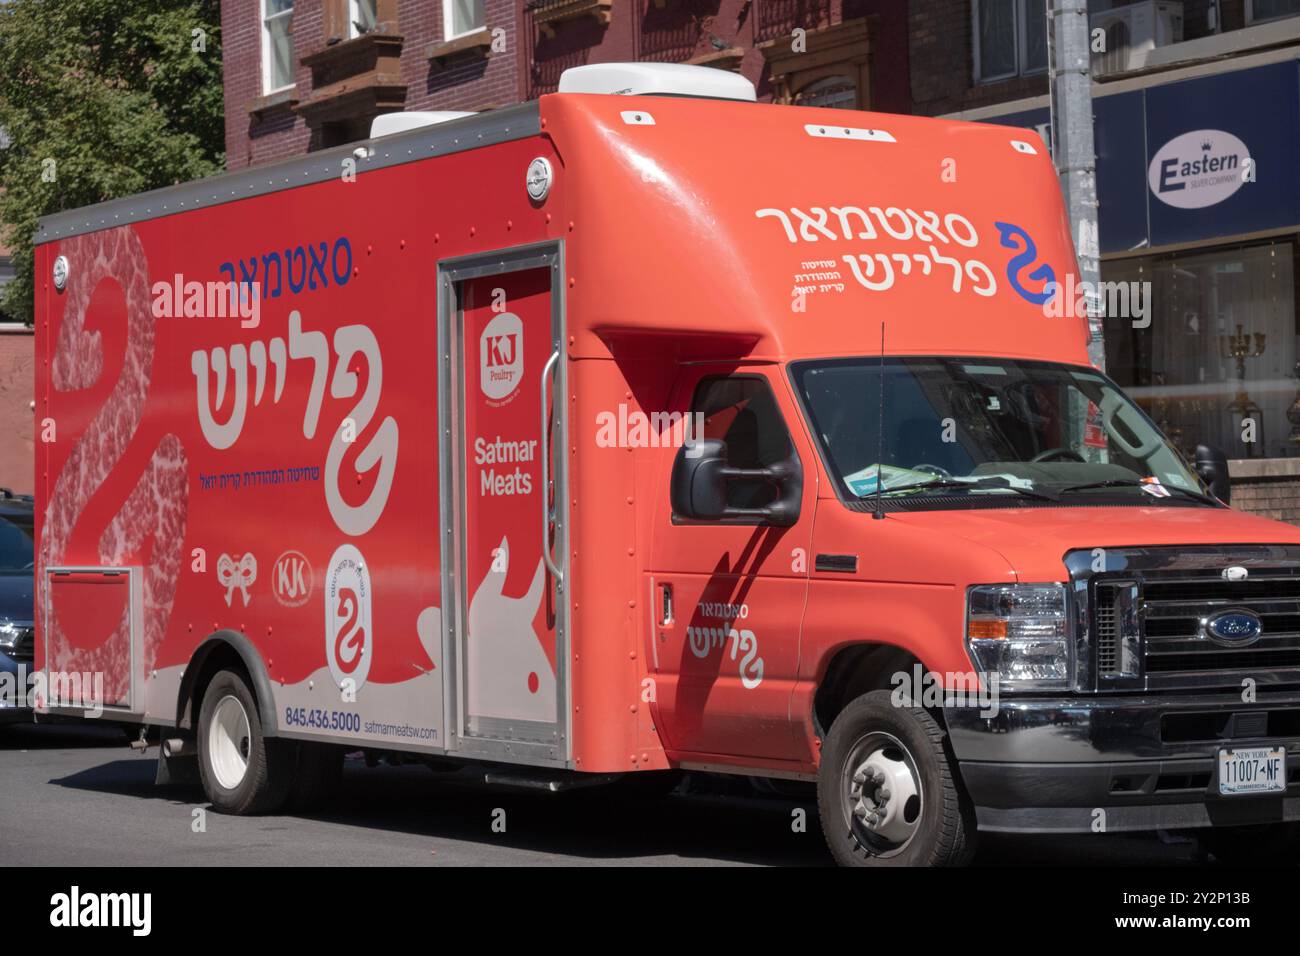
880 433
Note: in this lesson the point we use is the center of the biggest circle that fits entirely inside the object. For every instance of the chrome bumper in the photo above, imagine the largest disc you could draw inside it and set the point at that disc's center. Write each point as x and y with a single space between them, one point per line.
1116 763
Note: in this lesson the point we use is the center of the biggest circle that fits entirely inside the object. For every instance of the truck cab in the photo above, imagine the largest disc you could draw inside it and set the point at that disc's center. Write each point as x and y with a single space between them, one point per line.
1040 621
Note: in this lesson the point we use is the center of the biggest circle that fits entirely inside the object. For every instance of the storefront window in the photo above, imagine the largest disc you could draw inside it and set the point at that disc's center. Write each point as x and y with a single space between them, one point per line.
1217 364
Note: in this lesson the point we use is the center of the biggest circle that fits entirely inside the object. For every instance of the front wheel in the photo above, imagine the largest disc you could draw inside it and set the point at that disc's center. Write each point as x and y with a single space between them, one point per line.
887 790
243 771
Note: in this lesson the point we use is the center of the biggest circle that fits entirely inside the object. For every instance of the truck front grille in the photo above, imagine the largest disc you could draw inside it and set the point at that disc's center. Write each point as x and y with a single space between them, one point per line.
1106 629
1175 612
1166 614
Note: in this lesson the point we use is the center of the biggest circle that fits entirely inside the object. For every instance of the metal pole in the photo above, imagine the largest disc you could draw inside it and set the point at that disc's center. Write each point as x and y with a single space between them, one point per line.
1069 77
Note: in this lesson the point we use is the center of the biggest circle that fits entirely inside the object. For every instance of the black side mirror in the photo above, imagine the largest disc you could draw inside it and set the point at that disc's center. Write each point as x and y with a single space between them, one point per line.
1212 467
698 487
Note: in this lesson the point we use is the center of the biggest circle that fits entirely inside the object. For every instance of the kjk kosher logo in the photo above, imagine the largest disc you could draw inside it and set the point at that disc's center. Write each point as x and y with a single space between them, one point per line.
76 909
1199 169
349 638
501 356
291 579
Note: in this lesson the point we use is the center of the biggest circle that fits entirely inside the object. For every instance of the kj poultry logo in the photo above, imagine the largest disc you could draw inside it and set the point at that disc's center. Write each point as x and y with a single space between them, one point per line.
501 356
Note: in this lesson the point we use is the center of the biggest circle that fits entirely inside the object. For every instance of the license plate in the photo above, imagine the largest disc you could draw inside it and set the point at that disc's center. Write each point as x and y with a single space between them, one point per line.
1247 770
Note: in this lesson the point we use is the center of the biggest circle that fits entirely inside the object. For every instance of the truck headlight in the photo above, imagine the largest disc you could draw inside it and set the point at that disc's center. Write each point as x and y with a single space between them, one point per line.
1021 633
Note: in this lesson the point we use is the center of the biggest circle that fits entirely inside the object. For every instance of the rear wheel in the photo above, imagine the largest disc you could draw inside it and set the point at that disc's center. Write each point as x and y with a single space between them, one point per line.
887 790
243 771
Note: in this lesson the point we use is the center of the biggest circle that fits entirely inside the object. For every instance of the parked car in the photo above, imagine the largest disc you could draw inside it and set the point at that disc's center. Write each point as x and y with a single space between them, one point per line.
17 633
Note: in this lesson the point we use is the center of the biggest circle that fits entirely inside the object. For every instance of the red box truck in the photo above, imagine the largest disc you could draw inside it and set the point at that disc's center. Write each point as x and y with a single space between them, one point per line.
621 433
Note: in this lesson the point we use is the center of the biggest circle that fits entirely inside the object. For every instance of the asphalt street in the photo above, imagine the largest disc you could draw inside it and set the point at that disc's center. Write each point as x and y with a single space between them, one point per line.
76 795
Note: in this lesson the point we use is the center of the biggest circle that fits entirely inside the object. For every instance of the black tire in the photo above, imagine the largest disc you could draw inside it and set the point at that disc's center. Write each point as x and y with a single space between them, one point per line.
316 781
1267 844
270 761
940 814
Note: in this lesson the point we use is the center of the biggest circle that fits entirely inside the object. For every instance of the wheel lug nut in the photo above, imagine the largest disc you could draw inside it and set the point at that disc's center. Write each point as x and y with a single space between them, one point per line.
885 794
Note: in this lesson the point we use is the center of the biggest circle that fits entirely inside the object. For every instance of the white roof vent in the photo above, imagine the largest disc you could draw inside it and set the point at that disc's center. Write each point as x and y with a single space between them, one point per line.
386 124
662 79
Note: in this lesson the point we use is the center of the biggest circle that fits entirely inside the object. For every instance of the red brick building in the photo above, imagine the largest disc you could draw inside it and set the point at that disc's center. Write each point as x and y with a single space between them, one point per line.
307 74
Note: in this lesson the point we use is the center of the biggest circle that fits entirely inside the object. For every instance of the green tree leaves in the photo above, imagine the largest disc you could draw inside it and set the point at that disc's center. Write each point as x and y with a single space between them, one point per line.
100 99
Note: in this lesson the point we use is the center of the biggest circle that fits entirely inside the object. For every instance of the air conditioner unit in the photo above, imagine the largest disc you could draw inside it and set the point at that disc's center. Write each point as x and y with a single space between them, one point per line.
385 124
1132 32
663 79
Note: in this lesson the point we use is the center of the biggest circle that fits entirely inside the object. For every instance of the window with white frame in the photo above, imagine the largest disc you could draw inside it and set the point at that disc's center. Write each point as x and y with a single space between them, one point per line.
1010 38
363 16
277 45
460 17
1257 10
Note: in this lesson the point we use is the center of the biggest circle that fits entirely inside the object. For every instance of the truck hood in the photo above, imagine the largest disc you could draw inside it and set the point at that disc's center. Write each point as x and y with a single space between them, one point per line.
1035 540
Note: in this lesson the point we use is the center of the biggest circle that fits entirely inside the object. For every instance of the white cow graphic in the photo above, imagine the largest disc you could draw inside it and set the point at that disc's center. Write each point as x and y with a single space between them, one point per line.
509 674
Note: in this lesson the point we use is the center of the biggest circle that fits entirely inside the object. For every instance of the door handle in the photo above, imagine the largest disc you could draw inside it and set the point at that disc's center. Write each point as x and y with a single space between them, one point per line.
548 514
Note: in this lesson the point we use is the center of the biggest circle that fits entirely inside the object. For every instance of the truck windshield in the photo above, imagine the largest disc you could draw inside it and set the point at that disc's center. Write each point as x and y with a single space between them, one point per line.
968 427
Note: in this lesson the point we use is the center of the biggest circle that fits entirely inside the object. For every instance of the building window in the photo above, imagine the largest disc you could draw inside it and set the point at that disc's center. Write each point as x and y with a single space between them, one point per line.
1257 10
1218 347
363 16
835 92
277 45
832 70
1010 38
460 17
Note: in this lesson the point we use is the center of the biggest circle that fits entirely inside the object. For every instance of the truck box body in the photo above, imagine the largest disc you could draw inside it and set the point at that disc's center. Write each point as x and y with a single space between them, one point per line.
455 390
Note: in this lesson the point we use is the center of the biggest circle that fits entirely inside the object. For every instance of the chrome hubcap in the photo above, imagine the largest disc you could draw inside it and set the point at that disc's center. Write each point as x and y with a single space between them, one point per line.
884 794
229 739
